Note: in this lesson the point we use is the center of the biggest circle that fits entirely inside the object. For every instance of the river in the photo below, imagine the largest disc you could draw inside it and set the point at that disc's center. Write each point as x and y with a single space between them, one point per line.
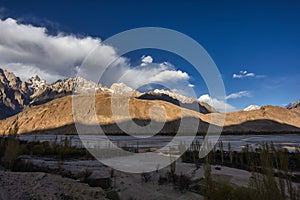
237 142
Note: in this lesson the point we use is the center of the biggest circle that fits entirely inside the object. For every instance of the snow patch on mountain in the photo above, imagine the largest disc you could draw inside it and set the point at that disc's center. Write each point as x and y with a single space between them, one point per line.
252 107
36 83
293 105
122 89
174 95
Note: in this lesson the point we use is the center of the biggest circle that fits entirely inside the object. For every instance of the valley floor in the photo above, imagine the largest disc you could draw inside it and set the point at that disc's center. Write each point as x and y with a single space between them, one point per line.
40 185
128 186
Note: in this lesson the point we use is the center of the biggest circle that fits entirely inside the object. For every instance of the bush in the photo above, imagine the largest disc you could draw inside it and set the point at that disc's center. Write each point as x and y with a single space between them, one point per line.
12 151
184 182
19 165
145 177
112 195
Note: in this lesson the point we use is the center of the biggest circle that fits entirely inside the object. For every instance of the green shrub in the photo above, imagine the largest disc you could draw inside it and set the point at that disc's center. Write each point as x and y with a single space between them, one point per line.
12 151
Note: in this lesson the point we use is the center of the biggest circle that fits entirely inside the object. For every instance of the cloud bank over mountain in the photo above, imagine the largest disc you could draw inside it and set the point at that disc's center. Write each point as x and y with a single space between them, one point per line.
29 50
221 104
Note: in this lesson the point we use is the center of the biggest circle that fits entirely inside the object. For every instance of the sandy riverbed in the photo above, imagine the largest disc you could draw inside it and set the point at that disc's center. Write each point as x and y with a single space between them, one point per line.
131 186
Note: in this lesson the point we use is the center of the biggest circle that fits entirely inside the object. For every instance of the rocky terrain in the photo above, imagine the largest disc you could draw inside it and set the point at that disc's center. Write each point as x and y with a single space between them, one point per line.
179 100
37 107
16 95
293 105
49 118
38 185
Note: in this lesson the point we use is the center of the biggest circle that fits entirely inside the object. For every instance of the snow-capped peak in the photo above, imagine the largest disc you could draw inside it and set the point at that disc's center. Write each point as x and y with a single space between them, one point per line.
174 95
120 89
293 105
83 85
252 107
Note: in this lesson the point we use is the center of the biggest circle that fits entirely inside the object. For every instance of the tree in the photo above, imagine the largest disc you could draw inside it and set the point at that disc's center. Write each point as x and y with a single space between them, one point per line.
209 185
222 151
230 152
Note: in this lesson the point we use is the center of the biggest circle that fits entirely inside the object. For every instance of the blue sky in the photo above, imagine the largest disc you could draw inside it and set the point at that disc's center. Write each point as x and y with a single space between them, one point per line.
258 41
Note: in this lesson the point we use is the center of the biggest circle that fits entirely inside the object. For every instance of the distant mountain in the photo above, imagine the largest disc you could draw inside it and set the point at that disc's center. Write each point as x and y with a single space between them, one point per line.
293 105
179 100
56 117
267 119
38 107
252 107
15 95
121 89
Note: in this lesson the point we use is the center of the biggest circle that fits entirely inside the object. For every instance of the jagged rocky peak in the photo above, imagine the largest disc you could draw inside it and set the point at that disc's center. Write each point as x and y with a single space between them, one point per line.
10 79
187 100
293 105
82 85
190 103
3 79
14 94
37 83
122 89
174 95
120 86
63 85
12 84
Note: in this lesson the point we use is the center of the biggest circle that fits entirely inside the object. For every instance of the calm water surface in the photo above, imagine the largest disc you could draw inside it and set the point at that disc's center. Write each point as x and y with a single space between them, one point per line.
237 142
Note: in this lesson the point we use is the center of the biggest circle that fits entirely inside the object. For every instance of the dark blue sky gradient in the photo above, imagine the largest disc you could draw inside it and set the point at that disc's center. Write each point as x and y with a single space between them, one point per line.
262 37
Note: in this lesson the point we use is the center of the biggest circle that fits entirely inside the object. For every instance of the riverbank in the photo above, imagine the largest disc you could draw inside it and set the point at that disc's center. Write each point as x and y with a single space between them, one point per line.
186 178
237 141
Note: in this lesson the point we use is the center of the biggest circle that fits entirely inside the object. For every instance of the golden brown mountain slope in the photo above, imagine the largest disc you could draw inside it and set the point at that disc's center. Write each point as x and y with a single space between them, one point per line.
56 117
275 113
58 114
267 119
297 110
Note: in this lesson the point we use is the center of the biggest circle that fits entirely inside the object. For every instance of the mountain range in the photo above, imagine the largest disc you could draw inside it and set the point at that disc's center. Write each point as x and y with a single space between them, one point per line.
38 107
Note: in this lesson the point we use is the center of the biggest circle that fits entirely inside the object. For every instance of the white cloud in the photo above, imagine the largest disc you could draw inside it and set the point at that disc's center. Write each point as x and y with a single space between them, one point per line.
32 47
28 50
238 95
191 85
24 72
146 60
161 73
243 74
220 105
237 76
170 75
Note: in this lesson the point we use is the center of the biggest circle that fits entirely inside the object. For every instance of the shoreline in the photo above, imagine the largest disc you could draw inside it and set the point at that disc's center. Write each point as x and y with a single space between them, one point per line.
171 134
